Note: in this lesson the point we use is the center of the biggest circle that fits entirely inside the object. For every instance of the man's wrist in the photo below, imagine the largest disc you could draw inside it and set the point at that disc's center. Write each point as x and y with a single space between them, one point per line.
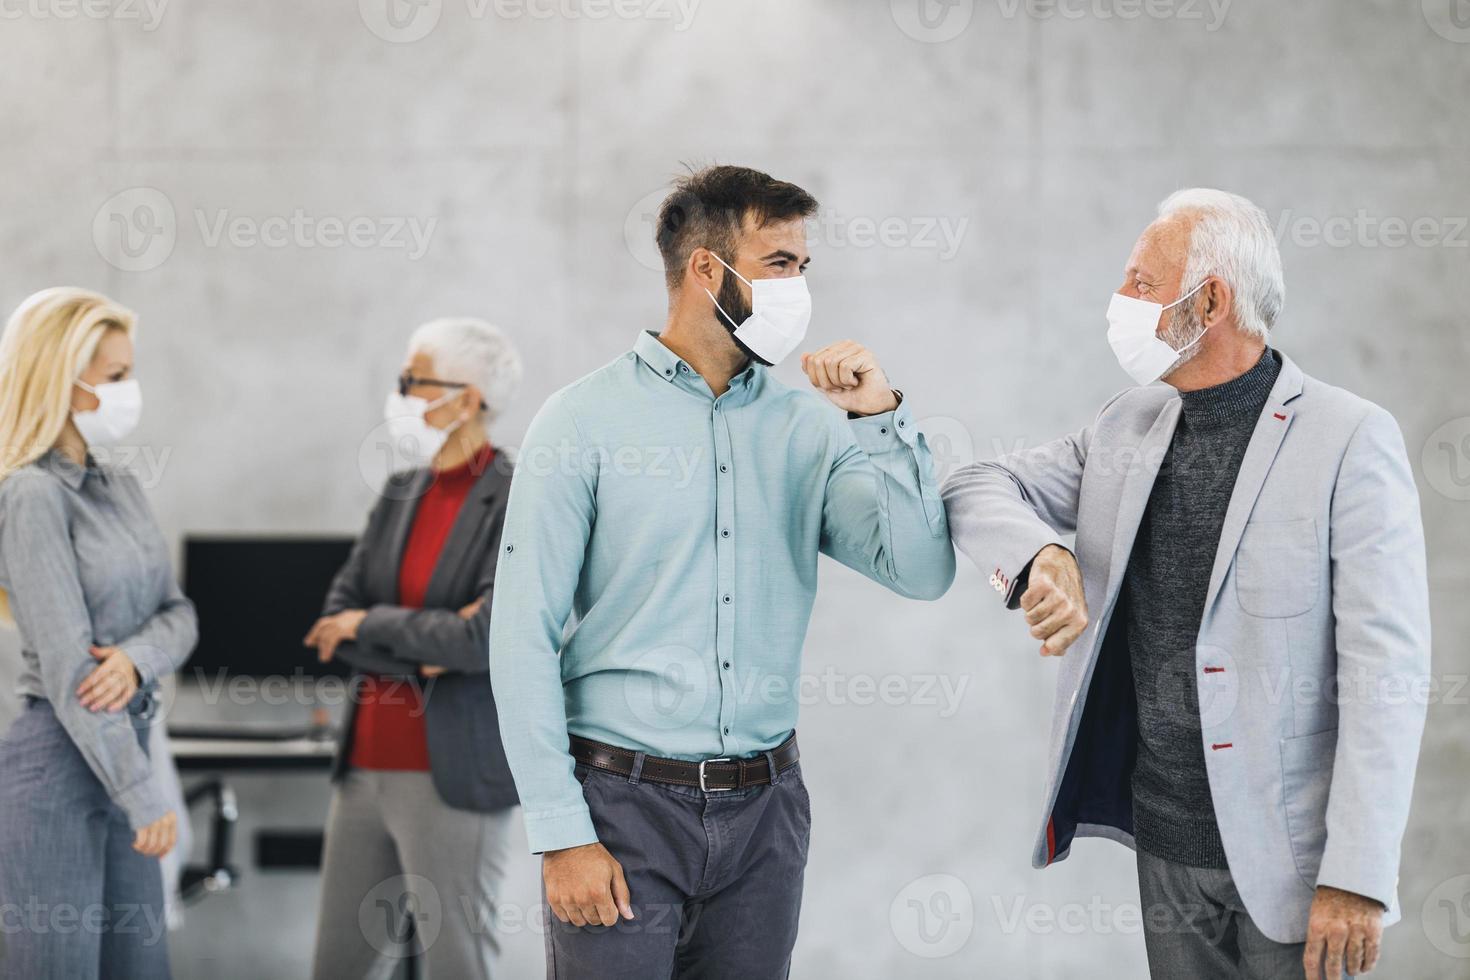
897 401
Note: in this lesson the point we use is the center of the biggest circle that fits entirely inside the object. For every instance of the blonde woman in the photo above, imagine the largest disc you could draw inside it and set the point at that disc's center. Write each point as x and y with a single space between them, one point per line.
87 581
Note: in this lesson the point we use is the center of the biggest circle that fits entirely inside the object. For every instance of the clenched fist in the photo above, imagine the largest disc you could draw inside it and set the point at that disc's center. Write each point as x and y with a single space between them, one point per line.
849 375
1055 608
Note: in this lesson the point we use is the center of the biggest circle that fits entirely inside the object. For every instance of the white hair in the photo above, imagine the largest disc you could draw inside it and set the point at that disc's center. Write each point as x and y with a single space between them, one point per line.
474 352
1233 240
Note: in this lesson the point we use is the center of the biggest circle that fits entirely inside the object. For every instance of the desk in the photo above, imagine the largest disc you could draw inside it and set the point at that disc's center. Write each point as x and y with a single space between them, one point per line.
192 754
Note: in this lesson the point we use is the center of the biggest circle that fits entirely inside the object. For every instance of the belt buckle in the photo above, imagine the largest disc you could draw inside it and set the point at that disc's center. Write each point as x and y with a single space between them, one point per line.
703 783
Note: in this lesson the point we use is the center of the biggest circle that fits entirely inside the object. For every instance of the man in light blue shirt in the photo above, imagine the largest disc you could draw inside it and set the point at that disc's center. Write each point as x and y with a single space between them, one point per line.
658 569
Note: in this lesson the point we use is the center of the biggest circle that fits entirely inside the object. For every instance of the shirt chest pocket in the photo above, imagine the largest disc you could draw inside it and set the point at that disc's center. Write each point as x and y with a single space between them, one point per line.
1278 568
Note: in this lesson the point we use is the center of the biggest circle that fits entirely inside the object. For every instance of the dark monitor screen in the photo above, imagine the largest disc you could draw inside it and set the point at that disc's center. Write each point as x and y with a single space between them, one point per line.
256 598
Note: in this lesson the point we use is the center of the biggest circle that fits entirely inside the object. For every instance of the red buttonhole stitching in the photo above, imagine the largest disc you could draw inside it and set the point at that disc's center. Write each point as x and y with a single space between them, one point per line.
1281 417
1214 670
1223 745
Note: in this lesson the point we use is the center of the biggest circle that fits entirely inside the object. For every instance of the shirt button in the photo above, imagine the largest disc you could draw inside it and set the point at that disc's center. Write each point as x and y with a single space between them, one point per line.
727 665
727 729
510 549
883 431
684 368
901 423
725 533
728 599
724 467
668 372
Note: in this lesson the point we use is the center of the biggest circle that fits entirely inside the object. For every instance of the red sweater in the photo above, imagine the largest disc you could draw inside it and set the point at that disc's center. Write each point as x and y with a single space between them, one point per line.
389 731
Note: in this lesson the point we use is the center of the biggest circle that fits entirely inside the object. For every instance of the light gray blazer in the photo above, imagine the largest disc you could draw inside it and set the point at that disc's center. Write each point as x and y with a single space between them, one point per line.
1319 580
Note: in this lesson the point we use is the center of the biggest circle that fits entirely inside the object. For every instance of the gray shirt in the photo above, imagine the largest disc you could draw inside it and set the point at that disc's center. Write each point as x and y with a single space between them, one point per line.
84 563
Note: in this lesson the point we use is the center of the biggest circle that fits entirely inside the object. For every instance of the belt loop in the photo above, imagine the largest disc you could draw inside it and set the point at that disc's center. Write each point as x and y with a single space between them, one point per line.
636 776
771 761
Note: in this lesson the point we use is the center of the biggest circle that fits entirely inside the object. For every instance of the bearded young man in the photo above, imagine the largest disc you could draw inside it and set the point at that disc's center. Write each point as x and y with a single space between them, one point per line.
673 505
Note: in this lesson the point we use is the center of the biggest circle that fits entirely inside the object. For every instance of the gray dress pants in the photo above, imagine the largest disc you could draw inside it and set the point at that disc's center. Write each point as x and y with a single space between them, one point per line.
76 901
1196 928
406 874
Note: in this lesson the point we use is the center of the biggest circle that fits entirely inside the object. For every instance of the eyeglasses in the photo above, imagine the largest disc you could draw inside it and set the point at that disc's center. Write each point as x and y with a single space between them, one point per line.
407 381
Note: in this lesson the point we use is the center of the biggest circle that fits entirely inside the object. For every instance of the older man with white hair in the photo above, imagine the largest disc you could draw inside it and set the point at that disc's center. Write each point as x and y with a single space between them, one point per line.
1247 610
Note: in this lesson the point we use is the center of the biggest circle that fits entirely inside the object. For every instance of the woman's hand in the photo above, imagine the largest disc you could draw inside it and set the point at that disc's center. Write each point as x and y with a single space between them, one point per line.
111 684
159 837
330 631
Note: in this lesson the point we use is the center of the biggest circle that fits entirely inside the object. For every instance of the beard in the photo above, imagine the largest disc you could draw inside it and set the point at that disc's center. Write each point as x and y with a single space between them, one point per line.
733 301
1185 328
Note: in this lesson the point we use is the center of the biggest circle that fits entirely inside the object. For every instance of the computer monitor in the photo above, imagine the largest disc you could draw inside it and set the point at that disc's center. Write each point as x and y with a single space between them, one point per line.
257 598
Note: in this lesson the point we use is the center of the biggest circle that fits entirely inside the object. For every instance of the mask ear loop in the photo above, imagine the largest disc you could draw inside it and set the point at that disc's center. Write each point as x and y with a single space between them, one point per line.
1181 299
737 276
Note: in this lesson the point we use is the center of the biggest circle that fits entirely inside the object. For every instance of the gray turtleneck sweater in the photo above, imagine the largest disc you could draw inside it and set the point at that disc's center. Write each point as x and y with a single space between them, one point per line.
1165 586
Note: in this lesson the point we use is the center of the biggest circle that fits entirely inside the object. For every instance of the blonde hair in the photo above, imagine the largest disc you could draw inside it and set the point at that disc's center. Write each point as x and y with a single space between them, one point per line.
49 340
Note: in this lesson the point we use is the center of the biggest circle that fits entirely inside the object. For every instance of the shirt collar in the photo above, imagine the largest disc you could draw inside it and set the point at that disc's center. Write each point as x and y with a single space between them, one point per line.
61 465
672 368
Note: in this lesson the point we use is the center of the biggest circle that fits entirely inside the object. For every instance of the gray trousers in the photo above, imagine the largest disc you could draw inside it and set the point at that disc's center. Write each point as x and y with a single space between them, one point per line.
1196 928
76 901
715 879
405 874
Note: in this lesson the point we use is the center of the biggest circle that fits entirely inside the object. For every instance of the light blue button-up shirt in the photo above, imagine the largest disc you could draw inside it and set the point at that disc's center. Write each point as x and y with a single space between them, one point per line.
659 564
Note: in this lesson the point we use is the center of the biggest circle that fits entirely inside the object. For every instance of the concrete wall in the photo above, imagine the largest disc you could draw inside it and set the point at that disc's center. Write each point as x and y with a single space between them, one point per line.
985 166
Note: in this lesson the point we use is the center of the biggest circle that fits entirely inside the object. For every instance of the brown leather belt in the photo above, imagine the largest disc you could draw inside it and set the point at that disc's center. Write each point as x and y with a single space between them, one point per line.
711 775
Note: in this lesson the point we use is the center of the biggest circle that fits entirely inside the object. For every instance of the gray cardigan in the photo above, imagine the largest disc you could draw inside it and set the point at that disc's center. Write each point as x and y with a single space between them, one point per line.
465 755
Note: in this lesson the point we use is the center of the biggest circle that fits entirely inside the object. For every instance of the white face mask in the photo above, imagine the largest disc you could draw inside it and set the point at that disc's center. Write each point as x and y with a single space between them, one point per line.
1133 326
414 439
119 407
781 310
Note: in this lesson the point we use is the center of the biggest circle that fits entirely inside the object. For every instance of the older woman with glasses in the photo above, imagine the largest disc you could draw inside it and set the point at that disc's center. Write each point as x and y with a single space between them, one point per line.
84 814
417 833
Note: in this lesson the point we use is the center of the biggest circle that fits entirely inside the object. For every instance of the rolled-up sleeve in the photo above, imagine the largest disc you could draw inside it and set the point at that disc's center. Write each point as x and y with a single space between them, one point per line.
45 595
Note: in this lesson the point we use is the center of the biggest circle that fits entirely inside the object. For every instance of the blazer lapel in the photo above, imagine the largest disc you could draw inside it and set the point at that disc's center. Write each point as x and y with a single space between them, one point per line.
1265 442
1137 486
464 537
398 527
